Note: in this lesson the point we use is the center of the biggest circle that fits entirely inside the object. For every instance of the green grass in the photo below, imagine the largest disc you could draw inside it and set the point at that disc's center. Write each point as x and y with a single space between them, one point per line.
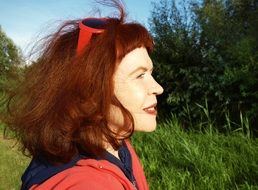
173 160
12 164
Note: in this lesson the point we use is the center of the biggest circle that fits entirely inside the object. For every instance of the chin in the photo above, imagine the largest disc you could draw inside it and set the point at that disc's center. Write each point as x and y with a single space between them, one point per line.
145 125
145 129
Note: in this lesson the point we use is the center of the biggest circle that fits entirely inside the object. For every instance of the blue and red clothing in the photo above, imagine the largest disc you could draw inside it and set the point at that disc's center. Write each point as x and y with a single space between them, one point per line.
83 173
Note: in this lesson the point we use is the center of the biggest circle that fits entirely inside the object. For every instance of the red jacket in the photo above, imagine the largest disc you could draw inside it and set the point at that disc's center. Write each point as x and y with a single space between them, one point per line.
90 174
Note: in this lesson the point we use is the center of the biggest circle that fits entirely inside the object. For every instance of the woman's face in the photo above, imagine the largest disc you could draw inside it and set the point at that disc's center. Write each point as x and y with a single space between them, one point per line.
136 90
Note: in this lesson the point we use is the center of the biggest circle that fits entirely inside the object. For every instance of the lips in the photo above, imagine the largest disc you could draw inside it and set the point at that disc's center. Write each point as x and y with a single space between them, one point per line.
152 110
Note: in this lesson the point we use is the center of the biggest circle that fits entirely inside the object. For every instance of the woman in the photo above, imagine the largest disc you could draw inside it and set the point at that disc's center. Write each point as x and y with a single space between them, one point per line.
77 106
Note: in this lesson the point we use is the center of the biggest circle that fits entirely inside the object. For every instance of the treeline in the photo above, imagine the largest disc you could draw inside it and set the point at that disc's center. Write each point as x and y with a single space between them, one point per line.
206 58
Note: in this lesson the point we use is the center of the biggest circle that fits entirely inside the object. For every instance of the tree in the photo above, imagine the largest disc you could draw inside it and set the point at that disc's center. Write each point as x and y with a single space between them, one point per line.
206 58
10 58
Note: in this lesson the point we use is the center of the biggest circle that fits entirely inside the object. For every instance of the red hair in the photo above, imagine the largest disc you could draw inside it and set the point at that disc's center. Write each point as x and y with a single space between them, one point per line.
61 107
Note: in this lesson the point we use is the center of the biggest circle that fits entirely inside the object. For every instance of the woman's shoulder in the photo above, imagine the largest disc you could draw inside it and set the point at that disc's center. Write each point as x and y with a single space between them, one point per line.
87 174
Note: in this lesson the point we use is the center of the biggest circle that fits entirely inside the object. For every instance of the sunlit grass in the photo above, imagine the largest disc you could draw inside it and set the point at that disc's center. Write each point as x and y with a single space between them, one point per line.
175 159
12 164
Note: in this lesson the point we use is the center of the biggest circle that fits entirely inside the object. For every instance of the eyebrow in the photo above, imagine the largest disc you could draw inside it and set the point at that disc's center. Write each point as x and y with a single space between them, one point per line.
140 69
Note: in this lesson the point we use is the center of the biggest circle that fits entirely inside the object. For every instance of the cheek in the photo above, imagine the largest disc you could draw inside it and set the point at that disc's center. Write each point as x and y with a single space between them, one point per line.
132 97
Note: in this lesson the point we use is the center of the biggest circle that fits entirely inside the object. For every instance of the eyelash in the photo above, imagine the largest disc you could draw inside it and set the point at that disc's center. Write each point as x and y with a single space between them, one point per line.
140 76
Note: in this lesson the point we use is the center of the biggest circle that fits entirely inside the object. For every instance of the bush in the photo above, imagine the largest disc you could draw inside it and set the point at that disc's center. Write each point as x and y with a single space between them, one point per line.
206 54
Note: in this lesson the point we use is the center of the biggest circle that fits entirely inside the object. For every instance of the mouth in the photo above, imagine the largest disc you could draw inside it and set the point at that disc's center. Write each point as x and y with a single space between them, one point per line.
152 110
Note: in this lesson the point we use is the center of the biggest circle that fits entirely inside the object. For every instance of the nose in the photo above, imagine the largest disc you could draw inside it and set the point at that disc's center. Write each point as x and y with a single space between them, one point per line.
156 88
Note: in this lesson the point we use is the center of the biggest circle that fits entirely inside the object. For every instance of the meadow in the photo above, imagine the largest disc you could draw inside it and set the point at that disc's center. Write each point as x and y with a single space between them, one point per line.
173 159
12 164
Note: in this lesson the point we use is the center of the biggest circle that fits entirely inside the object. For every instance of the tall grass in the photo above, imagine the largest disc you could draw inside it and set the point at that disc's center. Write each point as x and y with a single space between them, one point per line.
174 159
12 164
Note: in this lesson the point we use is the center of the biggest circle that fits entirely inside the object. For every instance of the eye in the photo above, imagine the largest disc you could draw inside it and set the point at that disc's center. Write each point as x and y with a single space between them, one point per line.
140 76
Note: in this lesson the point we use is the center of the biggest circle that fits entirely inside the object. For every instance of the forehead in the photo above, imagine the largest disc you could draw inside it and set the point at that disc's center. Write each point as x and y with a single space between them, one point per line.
138 58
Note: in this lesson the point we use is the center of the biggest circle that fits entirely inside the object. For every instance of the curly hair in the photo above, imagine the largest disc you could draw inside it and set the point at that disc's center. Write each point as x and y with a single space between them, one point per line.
61 107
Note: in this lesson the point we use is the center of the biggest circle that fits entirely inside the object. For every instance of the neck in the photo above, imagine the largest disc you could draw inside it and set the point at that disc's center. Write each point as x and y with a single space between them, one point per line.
113 152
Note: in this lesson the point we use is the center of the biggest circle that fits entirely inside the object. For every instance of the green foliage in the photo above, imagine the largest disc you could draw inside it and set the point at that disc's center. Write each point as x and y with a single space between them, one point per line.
176 159
206 52
10 59
9 53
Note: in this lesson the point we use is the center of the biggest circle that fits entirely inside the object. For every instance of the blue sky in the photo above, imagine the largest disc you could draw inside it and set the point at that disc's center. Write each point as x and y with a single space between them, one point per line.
23 20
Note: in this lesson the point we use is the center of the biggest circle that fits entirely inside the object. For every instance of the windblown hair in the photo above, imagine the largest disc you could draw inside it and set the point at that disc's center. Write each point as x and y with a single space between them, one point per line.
61 107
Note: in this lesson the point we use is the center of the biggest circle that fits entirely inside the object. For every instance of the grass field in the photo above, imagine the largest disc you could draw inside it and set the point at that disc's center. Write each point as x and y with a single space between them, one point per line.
12 164
173 160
